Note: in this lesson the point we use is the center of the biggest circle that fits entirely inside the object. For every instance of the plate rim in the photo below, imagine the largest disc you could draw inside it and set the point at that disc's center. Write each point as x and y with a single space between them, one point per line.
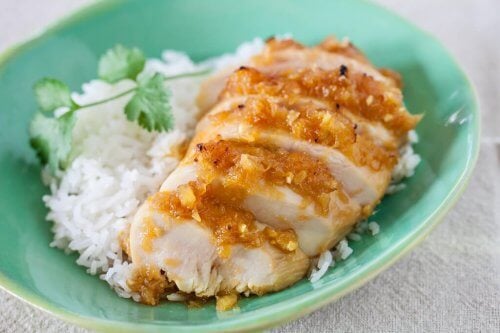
281 312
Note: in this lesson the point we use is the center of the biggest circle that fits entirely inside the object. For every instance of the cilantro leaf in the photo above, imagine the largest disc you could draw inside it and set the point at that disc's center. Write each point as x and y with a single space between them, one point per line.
52 94
121 63
150 106
51 138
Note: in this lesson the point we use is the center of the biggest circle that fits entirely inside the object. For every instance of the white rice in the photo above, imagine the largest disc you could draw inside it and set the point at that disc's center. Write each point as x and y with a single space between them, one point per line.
407 163
117 164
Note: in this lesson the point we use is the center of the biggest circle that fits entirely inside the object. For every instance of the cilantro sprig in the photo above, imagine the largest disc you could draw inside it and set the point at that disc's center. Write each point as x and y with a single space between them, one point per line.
52 126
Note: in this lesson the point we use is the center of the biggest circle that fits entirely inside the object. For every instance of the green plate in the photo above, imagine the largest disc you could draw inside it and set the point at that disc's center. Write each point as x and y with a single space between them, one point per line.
434 85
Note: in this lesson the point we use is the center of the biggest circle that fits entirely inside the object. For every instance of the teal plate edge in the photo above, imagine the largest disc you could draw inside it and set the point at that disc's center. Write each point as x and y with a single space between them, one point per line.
281 312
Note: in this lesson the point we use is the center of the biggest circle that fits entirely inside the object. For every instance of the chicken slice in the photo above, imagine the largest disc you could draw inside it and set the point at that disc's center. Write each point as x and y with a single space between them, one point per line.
299 59
315 233
284 209
376 132
183 249
288 56
283 189
262 270
187 252
211 88
365 186
342 88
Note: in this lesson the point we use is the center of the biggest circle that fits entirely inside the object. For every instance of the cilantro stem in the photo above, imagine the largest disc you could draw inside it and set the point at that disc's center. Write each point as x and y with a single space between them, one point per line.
184 75
102 101
126 92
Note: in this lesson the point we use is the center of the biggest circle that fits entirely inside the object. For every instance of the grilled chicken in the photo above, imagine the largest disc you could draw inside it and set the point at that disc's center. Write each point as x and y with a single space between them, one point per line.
294 148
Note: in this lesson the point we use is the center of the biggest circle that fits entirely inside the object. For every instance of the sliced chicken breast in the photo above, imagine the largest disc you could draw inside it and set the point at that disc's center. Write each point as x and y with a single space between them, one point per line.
295 147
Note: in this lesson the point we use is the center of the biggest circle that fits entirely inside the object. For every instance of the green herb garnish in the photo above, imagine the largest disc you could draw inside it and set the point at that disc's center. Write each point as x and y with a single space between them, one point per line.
50 136
121 63
51 139
52 94
51 128
149 106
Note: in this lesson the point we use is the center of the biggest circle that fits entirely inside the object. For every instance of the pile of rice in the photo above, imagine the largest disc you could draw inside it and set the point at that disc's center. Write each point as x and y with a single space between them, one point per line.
117 164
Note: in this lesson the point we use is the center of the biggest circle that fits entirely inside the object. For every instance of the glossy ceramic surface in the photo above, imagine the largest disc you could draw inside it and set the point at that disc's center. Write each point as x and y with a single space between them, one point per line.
434 86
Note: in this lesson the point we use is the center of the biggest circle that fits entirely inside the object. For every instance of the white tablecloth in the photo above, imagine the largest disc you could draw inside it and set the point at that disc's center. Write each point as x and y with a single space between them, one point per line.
451 282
